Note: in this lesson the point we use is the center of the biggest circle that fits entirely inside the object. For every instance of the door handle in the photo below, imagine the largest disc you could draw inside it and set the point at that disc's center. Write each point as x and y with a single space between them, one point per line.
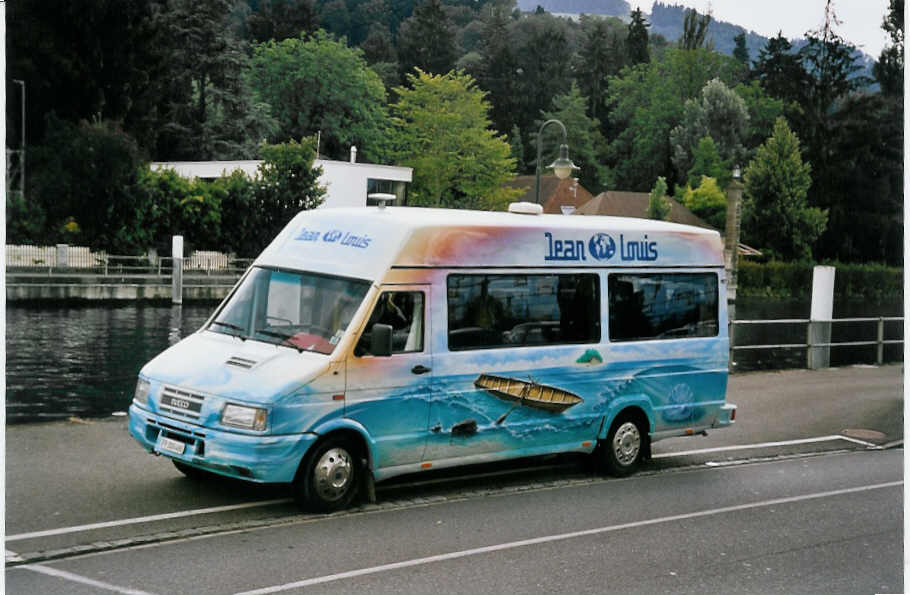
420 369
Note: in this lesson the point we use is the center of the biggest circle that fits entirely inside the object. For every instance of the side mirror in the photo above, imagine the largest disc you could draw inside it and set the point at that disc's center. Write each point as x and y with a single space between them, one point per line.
381 340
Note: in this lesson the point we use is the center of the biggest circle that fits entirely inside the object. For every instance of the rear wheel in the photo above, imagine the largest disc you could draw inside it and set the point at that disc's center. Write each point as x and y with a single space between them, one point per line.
329 478
622 452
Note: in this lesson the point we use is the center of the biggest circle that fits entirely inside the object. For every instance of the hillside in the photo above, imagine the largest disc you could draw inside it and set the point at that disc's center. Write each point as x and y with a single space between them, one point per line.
667 20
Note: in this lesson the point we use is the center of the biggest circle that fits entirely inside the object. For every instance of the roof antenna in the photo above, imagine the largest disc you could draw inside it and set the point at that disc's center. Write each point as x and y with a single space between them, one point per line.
381 198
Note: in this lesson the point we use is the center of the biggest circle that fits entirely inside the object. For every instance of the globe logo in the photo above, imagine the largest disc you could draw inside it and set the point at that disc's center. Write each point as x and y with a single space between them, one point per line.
602 246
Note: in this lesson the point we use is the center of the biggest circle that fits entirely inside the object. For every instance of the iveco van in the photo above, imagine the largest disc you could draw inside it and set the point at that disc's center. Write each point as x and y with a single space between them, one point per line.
371 342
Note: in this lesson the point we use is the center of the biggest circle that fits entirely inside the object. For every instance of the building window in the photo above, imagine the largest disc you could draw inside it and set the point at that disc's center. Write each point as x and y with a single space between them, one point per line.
396 187
647 306
487 311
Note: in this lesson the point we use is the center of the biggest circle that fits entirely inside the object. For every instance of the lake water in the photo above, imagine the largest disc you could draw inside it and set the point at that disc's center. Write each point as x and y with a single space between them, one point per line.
82 360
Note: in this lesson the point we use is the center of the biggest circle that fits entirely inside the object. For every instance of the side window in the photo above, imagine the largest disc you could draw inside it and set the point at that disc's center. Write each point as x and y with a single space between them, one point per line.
647 306
488 311
403 311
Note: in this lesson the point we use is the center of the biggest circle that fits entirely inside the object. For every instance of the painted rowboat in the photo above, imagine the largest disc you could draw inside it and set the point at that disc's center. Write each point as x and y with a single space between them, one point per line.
530 393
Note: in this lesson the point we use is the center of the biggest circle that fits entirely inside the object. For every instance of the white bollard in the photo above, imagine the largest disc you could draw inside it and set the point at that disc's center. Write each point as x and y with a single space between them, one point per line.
177 271
819 331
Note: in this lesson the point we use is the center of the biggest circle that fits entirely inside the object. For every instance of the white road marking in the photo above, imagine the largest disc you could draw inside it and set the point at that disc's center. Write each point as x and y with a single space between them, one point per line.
12 556
559 537
144 519
228 508
69 576
668 455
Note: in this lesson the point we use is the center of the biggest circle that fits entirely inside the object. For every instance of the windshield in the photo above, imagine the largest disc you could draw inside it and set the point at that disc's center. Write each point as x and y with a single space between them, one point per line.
306 311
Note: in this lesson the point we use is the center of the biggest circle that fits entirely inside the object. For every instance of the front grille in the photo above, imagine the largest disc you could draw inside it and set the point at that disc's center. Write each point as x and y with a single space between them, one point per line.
182 403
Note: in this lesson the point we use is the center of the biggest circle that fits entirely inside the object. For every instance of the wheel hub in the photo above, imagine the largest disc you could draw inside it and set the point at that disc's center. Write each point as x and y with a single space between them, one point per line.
333 474
626 443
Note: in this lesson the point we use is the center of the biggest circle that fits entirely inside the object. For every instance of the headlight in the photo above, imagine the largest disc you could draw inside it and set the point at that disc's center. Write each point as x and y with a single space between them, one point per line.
248 418
142 391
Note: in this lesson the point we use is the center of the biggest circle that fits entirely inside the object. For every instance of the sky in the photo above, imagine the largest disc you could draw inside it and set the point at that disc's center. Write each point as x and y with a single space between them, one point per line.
861 19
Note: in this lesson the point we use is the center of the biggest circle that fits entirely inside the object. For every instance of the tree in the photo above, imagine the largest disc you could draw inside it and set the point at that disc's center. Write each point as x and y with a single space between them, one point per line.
778 69
776 214
707 201
540 45
740 51
92 61
648 102
287 183
208 112
281 19
84 176
292 76
497 73
695 31
601 55
637 39
720 114
441 129
426 40
658 203
583 135
706 162
889 70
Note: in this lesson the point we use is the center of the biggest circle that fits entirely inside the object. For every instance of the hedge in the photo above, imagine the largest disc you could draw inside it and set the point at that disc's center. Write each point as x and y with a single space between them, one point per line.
873 282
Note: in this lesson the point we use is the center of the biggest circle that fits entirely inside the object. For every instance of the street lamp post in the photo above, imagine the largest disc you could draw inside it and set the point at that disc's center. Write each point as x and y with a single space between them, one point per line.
563 166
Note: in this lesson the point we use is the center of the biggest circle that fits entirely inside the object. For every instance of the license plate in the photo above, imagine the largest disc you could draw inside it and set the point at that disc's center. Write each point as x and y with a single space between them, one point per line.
170 445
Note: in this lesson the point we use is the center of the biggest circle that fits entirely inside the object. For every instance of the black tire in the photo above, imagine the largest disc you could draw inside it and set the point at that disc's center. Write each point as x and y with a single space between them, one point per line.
190 471
625 446
329 477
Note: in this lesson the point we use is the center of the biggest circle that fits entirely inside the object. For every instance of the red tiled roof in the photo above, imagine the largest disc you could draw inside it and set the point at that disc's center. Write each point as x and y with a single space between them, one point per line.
554 193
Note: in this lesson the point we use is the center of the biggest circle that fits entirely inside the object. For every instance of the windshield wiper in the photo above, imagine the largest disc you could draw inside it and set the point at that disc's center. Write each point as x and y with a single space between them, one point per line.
284 337
232 327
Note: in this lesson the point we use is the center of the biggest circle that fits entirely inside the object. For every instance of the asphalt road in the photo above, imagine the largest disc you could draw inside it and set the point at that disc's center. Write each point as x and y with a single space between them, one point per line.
804 494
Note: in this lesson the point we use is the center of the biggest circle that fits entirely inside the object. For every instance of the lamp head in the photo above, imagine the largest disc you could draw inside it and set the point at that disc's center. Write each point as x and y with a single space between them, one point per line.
563 166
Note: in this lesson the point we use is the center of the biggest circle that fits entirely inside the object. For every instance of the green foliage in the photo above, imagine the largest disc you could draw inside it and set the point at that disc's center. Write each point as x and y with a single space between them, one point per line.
889 70
637 39
281 19
708 201
695 31
287 184
441 129
584 139
707 162
721 114
86 173
776 215
763 112
602 54
658 204
776 279
208 110
293 75
649 100
426 40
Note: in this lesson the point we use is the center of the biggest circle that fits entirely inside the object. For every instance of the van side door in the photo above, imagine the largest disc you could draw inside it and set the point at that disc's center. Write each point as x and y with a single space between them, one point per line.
387 393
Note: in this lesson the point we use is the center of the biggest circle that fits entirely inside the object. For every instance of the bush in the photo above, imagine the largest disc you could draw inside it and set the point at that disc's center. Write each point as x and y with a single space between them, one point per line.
872 282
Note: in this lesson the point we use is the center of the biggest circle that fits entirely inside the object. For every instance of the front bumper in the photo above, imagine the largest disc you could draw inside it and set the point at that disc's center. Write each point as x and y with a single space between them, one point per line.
257 458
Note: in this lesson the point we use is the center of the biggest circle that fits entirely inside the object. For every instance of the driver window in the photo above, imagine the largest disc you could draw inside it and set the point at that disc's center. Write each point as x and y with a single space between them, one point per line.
403 311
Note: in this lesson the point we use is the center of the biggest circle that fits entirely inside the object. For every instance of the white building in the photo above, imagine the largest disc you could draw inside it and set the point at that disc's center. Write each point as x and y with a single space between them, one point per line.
347 183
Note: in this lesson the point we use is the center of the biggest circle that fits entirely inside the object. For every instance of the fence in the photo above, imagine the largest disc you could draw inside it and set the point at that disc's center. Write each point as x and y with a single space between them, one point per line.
880 342
63 259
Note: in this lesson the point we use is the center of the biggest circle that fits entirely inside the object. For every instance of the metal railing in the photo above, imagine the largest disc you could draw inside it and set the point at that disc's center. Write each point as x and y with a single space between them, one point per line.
73 260
880 342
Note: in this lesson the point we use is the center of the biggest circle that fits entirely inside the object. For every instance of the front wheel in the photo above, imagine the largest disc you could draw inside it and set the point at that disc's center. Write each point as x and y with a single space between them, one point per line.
623 450
328 480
